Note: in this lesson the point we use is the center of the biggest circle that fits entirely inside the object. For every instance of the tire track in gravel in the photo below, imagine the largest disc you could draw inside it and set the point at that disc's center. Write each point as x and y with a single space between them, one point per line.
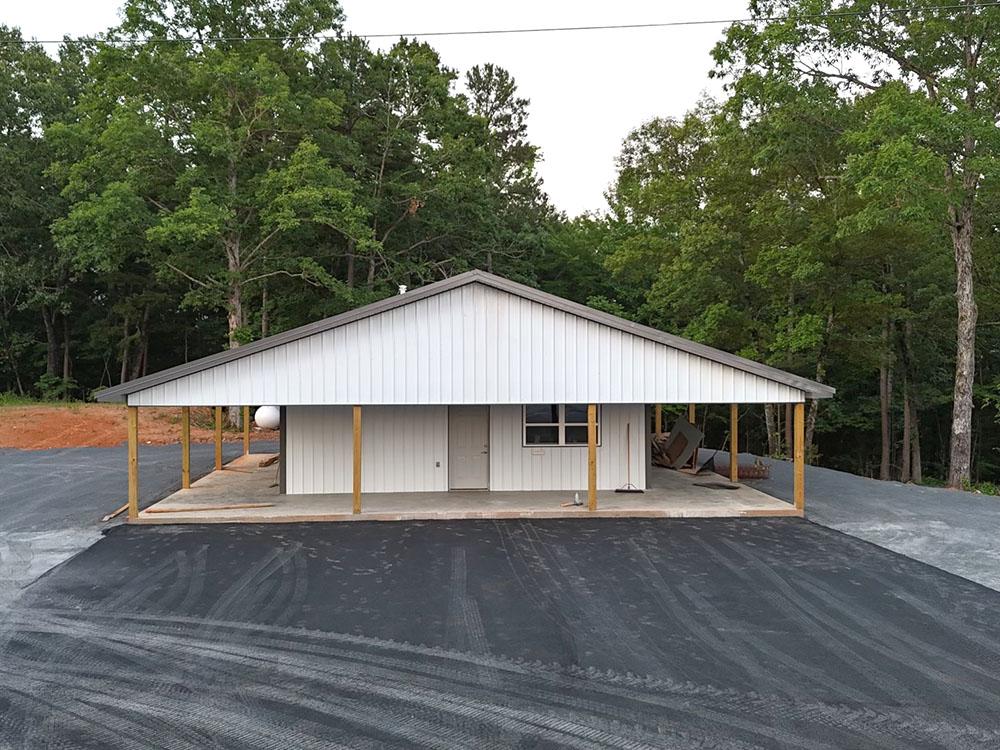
598 627
195 581
946 620
843 644
779 707
464 629
259 594
894 637
80 713
290 588
721 650
181 583
705 692
464 625
886 639
372 712
736 629
296 597
516 556
237 682
234 603
142 587
442 697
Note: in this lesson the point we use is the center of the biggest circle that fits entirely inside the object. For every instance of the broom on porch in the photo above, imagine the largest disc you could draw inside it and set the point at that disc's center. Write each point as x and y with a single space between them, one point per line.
628 486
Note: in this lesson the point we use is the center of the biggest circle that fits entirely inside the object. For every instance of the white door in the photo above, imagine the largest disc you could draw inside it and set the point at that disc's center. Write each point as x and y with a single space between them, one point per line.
468 447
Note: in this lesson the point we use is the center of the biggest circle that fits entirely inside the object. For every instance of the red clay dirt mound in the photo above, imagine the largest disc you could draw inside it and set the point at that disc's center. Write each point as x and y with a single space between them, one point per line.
104 425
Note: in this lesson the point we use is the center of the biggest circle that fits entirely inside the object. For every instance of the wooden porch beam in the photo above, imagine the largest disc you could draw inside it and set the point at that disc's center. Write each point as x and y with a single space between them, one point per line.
133 463
592 456
185 447
799 484
659 418
734 443
357 460
218 438
246 430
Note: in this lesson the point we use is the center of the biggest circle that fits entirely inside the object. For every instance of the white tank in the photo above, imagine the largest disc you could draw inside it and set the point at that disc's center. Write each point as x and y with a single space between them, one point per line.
267 417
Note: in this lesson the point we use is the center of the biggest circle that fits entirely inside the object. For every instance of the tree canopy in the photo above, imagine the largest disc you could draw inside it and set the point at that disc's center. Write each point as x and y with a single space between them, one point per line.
209 173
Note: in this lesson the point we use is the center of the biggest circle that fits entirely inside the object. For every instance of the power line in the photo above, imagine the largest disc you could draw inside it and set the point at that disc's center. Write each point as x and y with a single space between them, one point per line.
499 32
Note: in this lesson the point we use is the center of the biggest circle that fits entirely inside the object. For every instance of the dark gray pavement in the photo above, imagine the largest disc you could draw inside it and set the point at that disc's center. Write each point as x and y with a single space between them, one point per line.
51 501
955 531
624 633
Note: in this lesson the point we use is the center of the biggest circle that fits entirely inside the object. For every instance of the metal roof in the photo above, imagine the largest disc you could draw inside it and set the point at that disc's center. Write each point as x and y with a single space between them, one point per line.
811 388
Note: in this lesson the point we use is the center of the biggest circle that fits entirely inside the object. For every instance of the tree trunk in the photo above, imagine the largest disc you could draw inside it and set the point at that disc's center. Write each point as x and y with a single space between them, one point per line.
264 322
885 403
51 342
350 263
911 419
916 469
789 436
126 345
142 346
960 460
234 313
235 316
811 415
772 420
905 454
67 362
820 377
9 348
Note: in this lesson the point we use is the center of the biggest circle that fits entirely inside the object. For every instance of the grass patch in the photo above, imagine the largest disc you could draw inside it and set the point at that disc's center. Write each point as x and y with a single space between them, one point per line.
9 398
982 488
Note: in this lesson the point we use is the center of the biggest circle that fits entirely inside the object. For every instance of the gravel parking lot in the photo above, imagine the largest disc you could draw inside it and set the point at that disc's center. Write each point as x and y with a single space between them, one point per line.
615 633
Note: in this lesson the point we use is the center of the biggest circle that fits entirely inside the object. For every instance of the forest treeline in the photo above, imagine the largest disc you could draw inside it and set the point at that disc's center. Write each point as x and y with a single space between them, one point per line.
206 174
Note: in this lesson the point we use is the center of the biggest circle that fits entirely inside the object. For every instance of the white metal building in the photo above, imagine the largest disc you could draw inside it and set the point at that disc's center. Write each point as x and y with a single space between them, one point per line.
474 382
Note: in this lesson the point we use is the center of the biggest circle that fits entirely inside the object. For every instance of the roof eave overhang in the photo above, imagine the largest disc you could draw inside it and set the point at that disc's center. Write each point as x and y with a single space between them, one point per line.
810 388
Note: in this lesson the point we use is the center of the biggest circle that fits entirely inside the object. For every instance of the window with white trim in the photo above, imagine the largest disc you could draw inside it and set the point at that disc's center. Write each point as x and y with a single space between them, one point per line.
557 424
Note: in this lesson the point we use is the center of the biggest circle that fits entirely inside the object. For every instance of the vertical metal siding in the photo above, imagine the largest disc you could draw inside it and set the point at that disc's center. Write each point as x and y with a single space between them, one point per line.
471 345
514 466
403 448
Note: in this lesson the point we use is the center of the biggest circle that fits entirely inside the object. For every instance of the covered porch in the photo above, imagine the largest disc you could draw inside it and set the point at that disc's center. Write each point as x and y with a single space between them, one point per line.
244 482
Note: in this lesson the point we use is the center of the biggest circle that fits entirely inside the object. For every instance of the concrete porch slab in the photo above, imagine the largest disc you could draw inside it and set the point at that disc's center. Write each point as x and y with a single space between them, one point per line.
672 495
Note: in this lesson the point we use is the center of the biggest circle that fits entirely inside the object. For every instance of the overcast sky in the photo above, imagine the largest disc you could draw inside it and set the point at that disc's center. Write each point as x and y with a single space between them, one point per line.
588 89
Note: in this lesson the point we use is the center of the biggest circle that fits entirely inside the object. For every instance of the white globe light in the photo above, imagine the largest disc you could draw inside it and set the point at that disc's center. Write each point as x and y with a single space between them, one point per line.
267 417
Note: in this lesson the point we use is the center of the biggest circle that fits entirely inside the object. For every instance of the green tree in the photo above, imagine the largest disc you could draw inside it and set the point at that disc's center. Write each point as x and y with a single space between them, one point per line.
35 91
933 141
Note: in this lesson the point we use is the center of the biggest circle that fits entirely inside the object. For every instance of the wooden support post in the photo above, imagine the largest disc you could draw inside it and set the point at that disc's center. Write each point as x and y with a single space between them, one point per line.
659 418
185 447
357 459
734 443
133 463
799 485
788 430
592 456
218 438
692 416
246 430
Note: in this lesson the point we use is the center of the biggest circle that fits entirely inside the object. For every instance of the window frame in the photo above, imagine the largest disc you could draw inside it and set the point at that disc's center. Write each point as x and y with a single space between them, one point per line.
560 425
